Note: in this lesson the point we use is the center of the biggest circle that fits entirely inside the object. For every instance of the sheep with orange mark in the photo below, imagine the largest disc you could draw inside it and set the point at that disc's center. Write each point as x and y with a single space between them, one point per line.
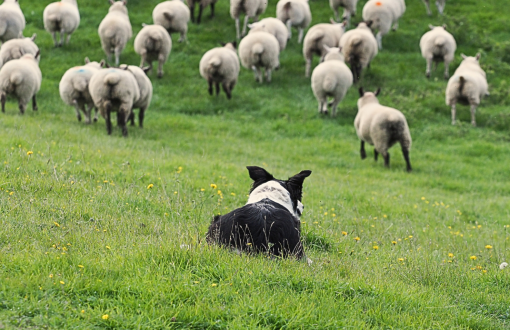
384 14
294 13
115 30
61 17
15 48
12 21
437 45
173 16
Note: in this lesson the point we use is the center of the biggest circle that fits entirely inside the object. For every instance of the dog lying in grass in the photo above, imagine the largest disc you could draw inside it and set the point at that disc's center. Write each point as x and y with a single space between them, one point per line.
269 222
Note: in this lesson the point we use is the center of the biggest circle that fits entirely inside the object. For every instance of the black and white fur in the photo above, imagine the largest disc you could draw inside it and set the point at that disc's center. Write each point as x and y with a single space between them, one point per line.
269 222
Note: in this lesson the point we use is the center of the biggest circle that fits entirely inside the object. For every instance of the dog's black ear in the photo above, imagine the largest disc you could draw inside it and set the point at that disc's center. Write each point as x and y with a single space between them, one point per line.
259 174
298 179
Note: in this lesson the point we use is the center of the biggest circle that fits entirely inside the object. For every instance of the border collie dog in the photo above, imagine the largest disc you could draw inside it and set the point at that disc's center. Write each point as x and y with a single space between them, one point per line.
269 222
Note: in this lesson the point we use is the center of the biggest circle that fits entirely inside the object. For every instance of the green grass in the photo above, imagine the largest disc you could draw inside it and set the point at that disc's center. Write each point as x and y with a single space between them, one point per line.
81 235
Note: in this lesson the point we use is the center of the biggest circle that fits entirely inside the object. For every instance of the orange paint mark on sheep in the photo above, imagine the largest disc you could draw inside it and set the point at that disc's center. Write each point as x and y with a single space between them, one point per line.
378 3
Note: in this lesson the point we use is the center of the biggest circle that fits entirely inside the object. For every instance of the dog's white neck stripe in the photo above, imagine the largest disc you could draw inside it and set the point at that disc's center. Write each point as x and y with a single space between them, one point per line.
274 191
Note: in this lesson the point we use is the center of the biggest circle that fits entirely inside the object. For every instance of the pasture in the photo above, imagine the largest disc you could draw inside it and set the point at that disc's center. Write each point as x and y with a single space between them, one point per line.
106 232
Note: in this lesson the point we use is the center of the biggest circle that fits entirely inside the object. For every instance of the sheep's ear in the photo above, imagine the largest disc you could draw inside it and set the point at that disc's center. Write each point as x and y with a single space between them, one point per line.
33 36
361 92
444 26
326 48
332 21
87 61
37 54
431 26
478 55
234 43
125 67
222 43
144 25
112 2
369 23
339 49
378 91
250 26
146 69
463 56
124 2
102 63
106 65
344 24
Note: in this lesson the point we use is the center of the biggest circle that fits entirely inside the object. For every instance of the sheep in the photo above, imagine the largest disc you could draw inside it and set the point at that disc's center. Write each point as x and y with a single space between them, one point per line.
331 78
153 43
381 127
74 88
12 21
22 79
251 8
317 37
201 5
260 49
294 13
439 4
273 26
436 46
349 9
221 65
15 48
383 14
145 88
62 17
173 16
467 86
115 30
114 90
359 47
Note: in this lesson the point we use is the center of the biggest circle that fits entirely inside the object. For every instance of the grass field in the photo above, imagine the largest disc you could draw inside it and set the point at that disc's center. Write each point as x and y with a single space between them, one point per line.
86 243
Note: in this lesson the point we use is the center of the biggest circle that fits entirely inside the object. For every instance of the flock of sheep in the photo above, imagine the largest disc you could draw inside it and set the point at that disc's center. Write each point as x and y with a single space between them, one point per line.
123 88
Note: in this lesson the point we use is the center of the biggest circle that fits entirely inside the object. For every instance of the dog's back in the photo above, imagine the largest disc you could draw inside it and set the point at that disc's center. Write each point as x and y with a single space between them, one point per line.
264 226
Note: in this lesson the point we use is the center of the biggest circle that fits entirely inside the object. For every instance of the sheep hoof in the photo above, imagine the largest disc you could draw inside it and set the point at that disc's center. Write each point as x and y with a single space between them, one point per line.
79 118
160 75
427 74
473 123
95 120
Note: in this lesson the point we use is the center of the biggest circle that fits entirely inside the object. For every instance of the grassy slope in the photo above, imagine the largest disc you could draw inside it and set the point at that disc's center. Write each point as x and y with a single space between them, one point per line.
87 192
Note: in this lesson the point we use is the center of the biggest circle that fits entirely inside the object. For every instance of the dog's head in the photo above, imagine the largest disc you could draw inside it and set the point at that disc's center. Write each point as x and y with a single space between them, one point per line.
294 185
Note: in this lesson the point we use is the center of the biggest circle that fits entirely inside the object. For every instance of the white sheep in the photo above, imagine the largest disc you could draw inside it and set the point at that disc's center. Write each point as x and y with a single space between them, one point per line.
439 4
61 17
21 78
467 86
173 16
436 46
349 8
331 78
384 14
251 8
153 43
221 65
260 50
201 5
359 47
381 127
317 37
294 13
15 48
114 90
275 27
115 30
12 20
145 88
74 88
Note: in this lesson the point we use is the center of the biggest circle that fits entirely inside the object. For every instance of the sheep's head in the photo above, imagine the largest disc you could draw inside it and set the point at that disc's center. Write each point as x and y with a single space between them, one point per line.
118 6
12 2
341 25
230 45
472 59
365 25
333 54
367 97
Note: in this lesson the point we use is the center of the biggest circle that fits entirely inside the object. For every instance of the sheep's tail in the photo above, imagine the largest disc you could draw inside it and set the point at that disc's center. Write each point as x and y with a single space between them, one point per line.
356 41
439 42
213 65
112 79
80 84
287 7
16 52
256 50
396 128
168 15
329 83
153 42
462 83
16 78
316 35
55 19
3 27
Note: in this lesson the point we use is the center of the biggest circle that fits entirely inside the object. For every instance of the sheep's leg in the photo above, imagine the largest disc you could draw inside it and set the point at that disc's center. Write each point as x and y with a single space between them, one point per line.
95 116
212 10
395 26
77 108
2 100
68 38
245 25
334 107
117 56
217 85
141 115
108 118
362 151
354 70
200 10
308 66
88 113
386 156
210 89
429 65
34 103
379 39
62 36
258 74
122 117
132 118
324 105
226 89
346 17
192 12
183 37
22 107
54 35
454 112
405 152
268 75
440 7
238 35
427 4
446 70
143 56
335 11
376 154
473 112
289 28
161 61
300 36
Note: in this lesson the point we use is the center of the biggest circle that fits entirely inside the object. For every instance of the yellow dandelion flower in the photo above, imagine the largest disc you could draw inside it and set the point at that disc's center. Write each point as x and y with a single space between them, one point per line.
325 213
334 215
81 266
410 236
450 255
105 317
385 216
51 275
213 186
62 282
29 153
488 247
83 311
56 224
376 247
400 259
472 257
394 242
219 192
484 271
357 238
108 247
202 189
423 198
315 222
214 284
344 233
233 194
150 186
11 193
